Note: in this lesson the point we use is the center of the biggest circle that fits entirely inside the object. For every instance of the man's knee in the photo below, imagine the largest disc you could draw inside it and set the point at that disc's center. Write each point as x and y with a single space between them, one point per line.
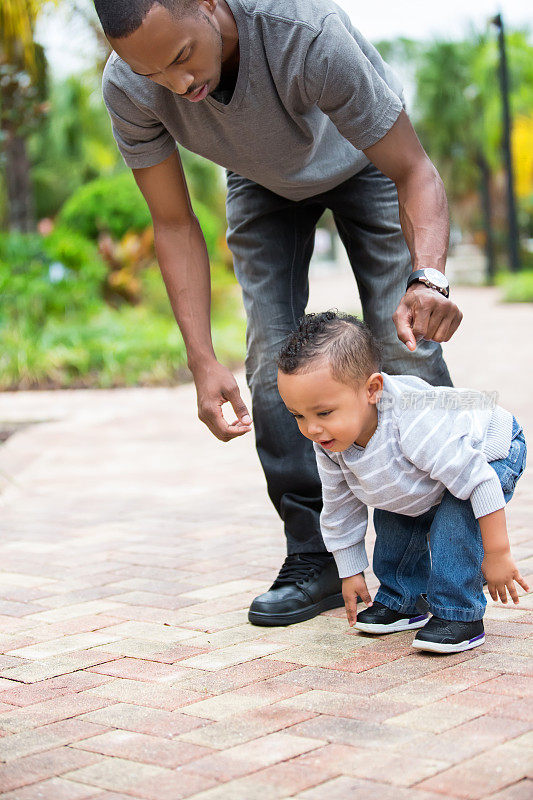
261 362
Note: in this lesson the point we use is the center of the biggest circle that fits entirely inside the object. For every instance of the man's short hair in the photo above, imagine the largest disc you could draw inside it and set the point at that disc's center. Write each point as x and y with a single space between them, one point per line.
341 340
120 18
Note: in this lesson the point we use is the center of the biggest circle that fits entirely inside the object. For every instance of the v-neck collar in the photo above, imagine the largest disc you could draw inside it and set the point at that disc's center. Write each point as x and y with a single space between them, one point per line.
244 58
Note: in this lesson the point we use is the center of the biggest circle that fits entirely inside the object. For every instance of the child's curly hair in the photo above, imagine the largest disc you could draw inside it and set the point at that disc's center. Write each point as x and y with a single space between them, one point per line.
342 340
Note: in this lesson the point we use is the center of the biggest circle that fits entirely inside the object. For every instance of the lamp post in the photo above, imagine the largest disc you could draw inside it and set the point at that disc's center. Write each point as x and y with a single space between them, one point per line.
514 254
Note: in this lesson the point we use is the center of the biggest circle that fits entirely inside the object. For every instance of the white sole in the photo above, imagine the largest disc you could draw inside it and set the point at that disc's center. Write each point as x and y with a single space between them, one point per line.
392 627
437 647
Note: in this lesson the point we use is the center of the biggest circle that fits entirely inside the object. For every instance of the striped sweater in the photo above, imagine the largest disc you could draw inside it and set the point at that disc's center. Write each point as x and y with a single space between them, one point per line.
428 439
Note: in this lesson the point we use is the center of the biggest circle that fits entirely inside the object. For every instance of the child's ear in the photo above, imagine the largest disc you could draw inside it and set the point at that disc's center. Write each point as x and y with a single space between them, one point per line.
375 387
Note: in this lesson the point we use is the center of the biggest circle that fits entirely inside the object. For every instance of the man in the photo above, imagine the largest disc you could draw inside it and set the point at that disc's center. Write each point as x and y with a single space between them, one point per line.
304 115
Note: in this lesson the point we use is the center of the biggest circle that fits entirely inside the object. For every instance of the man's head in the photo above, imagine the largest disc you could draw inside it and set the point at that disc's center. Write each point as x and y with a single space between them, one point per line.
120 18
329 379
175 43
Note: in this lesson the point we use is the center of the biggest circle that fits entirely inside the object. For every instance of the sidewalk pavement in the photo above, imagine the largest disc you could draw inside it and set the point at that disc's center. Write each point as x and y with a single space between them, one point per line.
132 544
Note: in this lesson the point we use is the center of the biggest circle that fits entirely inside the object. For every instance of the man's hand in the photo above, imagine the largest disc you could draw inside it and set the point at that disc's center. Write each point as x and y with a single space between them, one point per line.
351 587
424 313
501 572
215 385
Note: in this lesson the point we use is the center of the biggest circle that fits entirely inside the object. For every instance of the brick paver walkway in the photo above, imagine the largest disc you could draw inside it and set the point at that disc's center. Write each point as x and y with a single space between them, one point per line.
131 545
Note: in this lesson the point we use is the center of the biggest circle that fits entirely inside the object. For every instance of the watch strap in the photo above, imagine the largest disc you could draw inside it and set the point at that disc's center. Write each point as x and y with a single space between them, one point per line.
419 275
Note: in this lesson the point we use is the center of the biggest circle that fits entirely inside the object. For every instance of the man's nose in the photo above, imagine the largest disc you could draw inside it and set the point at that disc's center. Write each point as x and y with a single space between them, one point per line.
181 83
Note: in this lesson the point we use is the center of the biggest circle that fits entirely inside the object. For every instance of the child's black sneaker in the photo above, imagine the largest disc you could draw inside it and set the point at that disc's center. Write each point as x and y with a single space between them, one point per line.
449 636
381 619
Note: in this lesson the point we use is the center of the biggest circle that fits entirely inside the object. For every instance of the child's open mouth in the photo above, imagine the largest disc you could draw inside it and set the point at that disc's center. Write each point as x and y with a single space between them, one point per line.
327 443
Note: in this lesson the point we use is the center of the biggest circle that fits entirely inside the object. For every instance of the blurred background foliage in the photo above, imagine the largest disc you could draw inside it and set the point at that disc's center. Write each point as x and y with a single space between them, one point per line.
457 114
82 301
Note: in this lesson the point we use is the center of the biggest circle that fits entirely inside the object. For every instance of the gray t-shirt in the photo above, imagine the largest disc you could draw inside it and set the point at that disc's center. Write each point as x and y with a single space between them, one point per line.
311 93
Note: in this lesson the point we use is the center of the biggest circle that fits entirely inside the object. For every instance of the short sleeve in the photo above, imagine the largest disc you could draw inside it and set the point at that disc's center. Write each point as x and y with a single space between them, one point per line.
344 83
142 139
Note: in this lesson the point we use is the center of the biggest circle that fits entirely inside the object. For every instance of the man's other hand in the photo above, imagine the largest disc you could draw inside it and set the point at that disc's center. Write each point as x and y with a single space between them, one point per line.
215 385
424 313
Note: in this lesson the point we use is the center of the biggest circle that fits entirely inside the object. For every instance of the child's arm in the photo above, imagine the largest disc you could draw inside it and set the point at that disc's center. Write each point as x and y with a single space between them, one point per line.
498 566
343 523
344 518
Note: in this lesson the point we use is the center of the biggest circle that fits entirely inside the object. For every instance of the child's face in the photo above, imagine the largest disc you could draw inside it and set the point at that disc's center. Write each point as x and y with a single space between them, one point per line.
333 414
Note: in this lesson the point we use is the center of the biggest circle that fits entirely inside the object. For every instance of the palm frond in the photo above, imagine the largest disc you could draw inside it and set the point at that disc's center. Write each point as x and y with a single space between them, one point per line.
17 22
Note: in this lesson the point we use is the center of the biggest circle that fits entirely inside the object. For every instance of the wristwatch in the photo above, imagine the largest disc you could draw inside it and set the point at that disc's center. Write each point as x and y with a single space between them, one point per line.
431 278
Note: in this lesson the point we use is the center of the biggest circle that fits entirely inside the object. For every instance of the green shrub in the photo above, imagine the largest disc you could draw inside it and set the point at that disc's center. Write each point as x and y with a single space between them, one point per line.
57 276
125 347
111 348
517 287
116 206
73 144
57 331
107 205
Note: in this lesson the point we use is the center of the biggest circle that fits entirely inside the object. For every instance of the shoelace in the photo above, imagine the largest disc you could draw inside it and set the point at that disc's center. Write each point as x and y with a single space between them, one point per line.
300 566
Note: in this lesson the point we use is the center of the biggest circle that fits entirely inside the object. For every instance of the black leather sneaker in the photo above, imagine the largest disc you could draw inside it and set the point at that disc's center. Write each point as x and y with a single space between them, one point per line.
449 636
307 584
381 619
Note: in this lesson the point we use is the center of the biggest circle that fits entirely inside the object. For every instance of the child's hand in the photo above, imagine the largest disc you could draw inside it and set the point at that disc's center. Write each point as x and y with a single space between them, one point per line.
351 587
501 572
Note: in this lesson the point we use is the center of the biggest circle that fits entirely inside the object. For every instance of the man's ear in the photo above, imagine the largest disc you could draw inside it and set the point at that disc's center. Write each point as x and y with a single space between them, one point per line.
209 5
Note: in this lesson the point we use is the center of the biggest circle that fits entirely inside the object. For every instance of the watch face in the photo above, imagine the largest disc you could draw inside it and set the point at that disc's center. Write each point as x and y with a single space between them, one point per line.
436 277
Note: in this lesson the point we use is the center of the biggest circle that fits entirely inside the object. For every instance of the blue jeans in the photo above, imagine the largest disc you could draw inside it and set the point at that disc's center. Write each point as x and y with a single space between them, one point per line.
271 239
440 552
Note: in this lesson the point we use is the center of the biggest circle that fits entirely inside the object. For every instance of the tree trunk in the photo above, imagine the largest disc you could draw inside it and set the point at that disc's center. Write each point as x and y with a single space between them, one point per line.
18 185
486 205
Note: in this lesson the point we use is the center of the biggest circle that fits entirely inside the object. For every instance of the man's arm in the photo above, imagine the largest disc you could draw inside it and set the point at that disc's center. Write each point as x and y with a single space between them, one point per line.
184 263
422 312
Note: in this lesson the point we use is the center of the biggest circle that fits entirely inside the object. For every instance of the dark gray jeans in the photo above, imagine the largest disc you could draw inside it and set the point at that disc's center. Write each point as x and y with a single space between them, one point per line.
271 239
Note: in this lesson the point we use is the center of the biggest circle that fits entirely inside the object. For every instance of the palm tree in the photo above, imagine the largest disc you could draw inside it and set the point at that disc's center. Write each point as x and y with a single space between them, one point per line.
459 113
17 19
22 90
453 122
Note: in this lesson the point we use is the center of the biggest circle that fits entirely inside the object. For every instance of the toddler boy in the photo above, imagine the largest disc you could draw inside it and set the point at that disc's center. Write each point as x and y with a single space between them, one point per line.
437 464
